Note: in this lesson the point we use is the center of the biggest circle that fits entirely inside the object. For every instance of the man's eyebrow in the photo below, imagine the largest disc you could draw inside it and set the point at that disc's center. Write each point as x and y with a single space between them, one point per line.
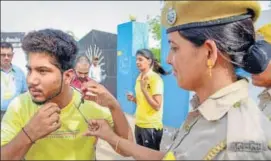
83 72
38 67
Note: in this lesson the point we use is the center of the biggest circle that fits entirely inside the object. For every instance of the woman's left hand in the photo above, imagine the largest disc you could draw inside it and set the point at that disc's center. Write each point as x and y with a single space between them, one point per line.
143 82
101 129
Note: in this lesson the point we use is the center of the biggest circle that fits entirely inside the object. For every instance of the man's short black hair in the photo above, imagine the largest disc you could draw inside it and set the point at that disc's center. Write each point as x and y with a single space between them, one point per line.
56 43
6 45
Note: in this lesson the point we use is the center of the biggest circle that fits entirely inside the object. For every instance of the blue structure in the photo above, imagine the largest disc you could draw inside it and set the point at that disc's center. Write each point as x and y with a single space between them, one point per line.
241 72
176 100
131 37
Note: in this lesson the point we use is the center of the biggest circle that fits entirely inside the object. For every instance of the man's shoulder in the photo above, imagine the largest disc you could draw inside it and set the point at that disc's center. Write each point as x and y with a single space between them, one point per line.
17 69
90 106
95 110
22 101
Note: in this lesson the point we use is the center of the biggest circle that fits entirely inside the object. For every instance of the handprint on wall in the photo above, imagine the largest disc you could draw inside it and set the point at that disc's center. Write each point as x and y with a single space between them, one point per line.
94 51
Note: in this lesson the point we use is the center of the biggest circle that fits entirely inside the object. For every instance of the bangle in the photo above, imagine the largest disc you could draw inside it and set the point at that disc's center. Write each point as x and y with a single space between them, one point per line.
117 144
32 142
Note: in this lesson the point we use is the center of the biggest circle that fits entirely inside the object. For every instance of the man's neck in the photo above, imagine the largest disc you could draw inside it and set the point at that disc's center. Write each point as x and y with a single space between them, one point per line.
67 94
6 68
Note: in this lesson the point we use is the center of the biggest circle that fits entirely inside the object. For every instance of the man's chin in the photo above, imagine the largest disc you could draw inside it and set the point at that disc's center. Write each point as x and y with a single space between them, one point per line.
38 102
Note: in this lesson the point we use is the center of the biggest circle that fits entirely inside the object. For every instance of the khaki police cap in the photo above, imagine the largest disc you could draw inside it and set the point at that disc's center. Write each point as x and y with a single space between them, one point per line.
179 15
265 32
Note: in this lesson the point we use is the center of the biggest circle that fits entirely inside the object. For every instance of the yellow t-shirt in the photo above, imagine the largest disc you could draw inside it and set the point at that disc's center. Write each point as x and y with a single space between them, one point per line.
67 143
146 116
169 156
8 86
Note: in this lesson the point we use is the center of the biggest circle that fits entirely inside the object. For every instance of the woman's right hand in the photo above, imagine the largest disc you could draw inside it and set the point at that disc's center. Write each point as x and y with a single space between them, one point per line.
101 129
130 97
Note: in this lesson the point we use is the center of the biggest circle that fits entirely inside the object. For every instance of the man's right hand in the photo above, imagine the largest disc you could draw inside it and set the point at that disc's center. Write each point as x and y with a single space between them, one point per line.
44 122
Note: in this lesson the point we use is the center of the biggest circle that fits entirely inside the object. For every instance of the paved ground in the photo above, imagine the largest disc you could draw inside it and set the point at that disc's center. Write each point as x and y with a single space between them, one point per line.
105 151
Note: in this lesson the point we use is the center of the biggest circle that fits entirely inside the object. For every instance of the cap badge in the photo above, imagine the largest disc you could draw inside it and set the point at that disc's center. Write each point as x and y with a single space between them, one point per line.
171 16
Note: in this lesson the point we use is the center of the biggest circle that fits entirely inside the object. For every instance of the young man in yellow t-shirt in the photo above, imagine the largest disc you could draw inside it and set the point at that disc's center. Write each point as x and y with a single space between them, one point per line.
48 122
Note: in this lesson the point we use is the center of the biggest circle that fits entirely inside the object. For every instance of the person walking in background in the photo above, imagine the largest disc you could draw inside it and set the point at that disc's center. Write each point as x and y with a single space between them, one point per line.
149 89
13 81
81 71
264 79
95 72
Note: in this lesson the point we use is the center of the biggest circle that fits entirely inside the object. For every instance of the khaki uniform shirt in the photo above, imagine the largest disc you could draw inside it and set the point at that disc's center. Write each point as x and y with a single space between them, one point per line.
228 125
265 102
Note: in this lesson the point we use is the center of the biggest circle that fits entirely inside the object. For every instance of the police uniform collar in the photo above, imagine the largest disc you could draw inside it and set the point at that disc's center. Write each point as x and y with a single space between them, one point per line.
265 92
218 104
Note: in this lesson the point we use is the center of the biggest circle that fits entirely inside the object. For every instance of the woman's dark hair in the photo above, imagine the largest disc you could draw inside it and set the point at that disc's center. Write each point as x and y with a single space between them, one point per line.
56 43
235 39
154 63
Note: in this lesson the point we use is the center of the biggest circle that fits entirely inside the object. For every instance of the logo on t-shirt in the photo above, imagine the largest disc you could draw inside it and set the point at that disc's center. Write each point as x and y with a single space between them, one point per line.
64 134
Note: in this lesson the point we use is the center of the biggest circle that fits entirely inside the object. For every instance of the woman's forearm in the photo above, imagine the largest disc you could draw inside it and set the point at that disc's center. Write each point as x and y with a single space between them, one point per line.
136 151
154 104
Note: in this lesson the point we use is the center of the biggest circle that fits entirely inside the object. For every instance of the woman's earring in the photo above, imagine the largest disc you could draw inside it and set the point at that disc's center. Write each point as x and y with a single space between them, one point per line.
210 66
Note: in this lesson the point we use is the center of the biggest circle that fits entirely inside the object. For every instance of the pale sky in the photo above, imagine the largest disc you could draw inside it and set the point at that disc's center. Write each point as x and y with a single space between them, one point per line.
77 16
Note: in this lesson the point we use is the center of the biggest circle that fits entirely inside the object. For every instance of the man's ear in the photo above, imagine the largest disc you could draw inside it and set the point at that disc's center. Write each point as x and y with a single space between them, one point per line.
68 76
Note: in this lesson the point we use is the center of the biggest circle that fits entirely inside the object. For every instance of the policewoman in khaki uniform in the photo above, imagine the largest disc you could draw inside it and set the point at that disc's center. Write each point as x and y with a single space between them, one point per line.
264 79
208 39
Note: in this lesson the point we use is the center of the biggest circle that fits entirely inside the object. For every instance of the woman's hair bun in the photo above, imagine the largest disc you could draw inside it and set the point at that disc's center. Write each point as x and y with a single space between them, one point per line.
257 58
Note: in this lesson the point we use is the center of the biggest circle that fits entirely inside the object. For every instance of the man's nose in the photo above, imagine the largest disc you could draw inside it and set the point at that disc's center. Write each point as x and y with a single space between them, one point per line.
32 79
6 56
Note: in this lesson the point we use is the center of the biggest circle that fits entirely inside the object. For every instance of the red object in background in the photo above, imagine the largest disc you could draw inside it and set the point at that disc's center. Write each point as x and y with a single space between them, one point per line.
77 82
